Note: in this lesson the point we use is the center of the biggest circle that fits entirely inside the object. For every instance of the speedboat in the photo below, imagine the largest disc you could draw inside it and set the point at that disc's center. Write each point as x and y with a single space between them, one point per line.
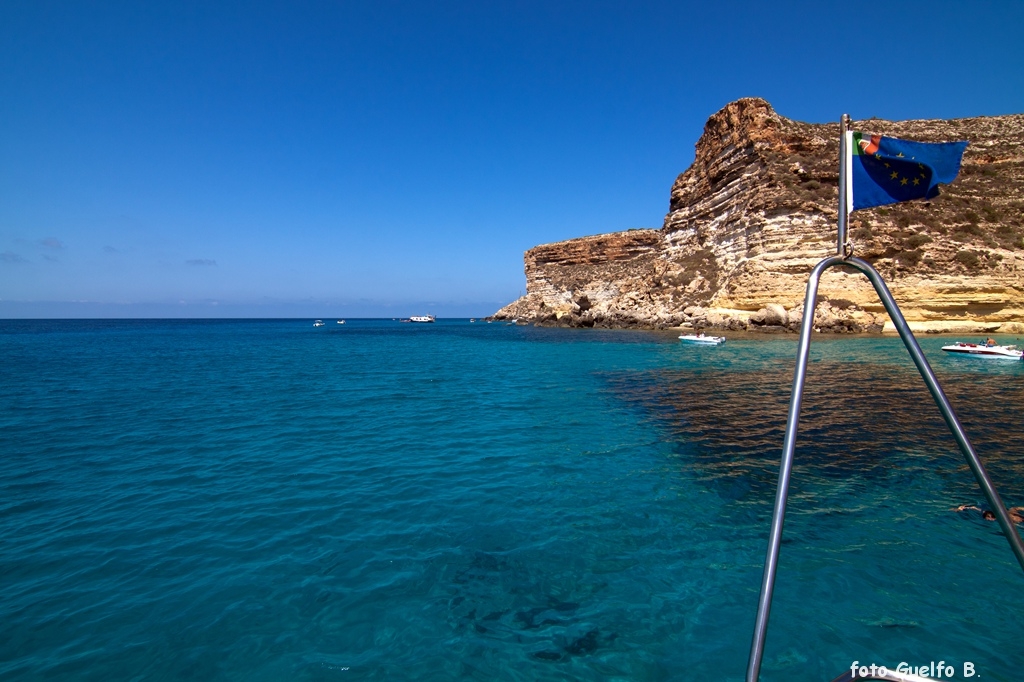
421 318
341 321
983 350
702 340
318 323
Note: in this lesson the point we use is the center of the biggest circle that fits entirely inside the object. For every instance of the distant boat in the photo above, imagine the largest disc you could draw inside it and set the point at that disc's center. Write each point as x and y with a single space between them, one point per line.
341 321
421 318
984 350
318 323
701 340
472 319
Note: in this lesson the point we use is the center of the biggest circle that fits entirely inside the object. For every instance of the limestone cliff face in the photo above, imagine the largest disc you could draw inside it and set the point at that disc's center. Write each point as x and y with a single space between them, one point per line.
757 209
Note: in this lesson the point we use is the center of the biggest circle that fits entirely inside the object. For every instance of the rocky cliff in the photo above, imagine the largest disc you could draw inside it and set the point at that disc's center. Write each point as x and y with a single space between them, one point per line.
758 208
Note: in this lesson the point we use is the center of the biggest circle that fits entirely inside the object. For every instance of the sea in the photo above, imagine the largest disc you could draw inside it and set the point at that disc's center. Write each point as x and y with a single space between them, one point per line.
269 500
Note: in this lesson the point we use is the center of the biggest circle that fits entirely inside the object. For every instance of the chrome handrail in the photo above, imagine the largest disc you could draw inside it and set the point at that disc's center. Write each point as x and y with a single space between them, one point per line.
789 444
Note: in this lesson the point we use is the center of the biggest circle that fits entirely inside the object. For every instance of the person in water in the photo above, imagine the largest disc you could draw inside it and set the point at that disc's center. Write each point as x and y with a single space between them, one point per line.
1016 513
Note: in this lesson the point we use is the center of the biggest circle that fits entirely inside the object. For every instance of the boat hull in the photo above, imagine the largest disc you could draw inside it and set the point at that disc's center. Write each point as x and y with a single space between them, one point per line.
695 340
983 351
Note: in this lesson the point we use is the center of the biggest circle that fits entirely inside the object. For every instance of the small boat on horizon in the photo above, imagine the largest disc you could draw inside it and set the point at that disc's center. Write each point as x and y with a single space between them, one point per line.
421 318
318 323
989 349
702 340
341 321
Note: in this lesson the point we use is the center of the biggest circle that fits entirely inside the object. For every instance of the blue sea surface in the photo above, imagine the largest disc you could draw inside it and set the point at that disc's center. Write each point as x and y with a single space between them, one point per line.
266 500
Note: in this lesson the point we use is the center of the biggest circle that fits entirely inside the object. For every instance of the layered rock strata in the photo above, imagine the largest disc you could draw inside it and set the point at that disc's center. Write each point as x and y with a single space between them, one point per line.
758 208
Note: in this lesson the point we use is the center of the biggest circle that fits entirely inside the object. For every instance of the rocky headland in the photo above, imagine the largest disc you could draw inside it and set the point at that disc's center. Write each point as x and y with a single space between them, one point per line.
757 210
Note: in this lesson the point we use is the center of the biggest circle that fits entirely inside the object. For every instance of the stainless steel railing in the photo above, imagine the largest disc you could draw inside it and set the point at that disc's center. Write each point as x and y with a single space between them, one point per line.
786 466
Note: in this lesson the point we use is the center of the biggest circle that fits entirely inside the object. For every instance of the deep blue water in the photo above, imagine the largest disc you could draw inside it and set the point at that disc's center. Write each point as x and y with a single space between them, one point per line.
262 500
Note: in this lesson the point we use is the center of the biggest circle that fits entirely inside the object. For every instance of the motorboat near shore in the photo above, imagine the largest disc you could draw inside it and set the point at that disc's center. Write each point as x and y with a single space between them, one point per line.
985 350
702 340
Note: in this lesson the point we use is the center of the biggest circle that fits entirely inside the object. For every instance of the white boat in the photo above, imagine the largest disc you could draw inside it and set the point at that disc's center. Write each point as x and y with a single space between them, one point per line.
983 350
702 340
421 318
318 323
341 321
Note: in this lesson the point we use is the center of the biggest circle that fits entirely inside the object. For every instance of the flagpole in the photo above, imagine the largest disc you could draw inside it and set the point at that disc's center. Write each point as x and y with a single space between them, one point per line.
844 257
844 189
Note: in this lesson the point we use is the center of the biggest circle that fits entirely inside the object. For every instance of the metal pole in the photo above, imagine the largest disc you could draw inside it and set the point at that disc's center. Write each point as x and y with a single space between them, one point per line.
845 256
771 560
793 420
944 407
841 239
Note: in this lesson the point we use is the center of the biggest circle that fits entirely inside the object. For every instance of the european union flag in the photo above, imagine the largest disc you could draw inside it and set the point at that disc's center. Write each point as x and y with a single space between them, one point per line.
886 170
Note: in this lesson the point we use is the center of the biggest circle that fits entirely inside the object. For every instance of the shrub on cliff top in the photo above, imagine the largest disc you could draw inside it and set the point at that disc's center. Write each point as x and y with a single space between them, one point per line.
917 240
961 231
968 259
909 258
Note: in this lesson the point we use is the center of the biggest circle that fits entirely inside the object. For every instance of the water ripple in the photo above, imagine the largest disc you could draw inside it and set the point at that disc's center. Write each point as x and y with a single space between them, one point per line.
259 500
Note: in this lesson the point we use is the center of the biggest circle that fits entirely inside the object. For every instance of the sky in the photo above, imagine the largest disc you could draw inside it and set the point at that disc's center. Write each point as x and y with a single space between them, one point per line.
383 159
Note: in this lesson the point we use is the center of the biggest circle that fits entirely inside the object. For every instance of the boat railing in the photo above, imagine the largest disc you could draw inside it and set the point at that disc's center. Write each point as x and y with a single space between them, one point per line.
844 256
789 444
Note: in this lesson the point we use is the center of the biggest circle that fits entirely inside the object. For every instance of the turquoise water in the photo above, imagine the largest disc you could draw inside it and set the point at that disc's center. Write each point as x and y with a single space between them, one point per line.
262 500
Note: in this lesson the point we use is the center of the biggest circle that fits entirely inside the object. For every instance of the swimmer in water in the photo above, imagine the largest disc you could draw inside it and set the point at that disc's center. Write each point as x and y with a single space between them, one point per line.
1016 513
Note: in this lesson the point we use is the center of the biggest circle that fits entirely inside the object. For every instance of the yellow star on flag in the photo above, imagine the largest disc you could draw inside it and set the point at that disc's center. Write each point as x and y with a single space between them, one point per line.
903 181
894 175
917 181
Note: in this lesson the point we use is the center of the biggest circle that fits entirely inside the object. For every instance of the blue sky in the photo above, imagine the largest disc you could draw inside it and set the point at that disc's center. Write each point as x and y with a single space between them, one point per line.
223 159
